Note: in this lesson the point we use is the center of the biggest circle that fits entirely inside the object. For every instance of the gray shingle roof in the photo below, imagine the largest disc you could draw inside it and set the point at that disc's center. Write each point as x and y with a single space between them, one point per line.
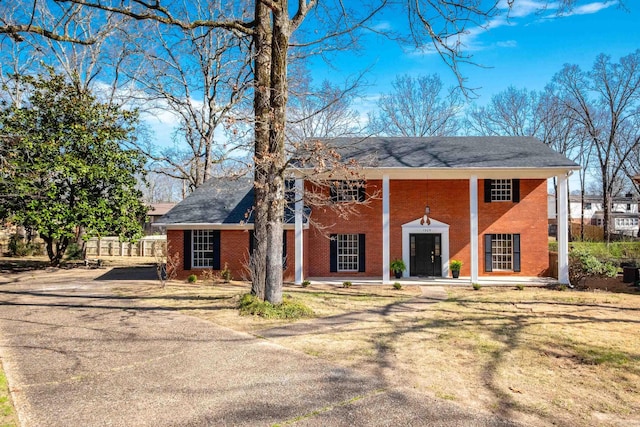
218 201
230 200
451 152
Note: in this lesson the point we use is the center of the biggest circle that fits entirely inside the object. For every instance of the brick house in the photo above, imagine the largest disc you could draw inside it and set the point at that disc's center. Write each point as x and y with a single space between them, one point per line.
480 200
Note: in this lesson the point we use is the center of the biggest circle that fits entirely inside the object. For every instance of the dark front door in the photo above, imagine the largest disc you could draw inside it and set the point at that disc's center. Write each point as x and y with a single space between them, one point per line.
426 259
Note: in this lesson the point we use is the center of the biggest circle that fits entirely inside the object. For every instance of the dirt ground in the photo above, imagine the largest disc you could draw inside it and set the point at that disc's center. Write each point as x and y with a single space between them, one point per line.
540 356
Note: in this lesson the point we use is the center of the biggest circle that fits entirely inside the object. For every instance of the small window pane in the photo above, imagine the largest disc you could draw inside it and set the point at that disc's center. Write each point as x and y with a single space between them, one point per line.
347 191
348 252
501 190
502 252
202 244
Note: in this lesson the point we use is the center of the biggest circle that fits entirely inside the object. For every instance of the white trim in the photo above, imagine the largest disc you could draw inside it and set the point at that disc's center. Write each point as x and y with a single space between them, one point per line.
436 227
299 235
563 231
473 217
448 173
386 257
212 226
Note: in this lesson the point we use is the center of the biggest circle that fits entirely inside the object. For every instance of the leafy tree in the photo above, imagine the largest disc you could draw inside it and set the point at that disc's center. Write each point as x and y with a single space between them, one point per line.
68 170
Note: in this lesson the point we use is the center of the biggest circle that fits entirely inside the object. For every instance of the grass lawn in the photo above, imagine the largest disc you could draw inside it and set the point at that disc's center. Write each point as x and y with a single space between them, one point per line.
540 356
8 416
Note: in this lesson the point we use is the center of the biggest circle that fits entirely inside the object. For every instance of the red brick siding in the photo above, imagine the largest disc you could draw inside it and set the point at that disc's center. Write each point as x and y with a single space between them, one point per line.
528 218
234 251
449 203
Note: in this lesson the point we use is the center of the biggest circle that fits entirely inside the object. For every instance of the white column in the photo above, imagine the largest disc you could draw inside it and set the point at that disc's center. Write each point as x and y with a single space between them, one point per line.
563 231
385 231
299 221
473 216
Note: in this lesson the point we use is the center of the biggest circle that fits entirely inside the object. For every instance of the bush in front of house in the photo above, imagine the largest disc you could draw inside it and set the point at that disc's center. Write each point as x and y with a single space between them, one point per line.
192 278
583 264
288 309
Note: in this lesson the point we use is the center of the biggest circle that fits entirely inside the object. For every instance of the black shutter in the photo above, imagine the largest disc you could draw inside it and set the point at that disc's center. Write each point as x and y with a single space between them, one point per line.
333 253
362 195
187 249
516 252
252 241
487 191
361 254
215 263
333 191
284 249
488 265
515 190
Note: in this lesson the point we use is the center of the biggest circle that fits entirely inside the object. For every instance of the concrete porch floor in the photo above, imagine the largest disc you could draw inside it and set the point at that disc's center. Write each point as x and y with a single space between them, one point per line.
438 281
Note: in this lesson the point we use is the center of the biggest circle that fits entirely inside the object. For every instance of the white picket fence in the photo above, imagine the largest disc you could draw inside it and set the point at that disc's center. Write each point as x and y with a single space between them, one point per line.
148 246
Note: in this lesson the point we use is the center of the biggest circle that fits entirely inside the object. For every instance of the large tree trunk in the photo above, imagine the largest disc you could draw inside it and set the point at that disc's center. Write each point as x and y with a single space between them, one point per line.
279 50
55 249
261 101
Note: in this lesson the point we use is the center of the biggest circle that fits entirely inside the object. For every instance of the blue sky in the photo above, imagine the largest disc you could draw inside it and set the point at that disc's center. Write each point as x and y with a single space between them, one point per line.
525 50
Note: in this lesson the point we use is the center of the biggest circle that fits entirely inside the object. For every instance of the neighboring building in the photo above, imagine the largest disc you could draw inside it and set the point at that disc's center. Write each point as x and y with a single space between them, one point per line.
623 215
485 200
155 212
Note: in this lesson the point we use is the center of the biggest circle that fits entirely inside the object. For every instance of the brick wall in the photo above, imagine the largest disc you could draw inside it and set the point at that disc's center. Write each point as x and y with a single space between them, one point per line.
449 203
234 252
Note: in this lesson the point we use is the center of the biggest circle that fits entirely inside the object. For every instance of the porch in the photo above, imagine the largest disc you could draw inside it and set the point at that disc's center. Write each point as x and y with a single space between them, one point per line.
439 281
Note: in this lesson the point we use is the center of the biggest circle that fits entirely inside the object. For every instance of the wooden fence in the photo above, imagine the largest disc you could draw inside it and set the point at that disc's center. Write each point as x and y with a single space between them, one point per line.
110 246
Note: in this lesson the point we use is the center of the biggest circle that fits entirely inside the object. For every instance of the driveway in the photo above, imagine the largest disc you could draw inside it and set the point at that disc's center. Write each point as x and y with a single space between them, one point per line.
76 354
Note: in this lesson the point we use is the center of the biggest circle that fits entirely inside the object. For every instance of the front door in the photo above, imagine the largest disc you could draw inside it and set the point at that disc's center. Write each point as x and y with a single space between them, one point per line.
426 259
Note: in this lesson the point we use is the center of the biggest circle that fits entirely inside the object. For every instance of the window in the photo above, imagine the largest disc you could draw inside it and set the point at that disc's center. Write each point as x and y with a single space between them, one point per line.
587 206
501 190
628 206
203 248
502 252
348 191
347 253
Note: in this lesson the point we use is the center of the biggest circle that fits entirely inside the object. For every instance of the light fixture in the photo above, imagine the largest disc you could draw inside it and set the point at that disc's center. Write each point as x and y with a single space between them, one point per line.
425 219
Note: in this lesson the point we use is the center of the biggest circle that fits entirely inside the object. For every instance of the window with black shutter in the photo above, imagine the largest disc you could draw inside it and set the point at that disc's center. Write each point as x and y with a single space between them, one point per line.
502 252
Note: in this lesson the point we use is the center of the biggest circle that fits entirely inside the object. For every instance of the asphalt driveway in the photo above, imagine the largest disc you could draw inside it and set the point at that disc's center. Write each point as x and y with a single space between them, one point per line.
76 354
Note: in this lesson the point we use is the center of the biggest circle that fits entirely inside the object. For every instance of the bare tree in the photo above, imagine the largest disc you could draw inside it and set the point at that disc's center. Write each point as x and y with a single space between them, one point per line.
198 76
417 107
606 103
270 26
323 111
512 112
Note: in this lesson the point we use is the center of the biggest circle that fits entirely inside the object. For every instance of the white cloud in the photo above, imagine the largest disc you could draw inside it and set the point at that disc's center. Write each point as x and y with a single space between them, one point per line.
507 44
590 8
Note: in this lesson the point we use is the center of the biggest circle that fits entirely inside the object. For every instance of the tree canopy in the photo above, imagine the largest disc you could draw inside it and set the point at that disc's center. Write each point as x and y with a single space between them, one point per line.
67 171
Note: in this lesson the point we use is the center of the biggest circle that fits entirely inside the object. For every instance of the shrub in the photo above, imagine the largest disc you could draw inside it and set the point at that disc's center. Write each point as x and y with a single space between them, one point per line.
208 276
17 246
520 287
289 309
192 278
397 286
346 284
225 273
305 283
476 286
455 265
562 288
583 264
74 251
